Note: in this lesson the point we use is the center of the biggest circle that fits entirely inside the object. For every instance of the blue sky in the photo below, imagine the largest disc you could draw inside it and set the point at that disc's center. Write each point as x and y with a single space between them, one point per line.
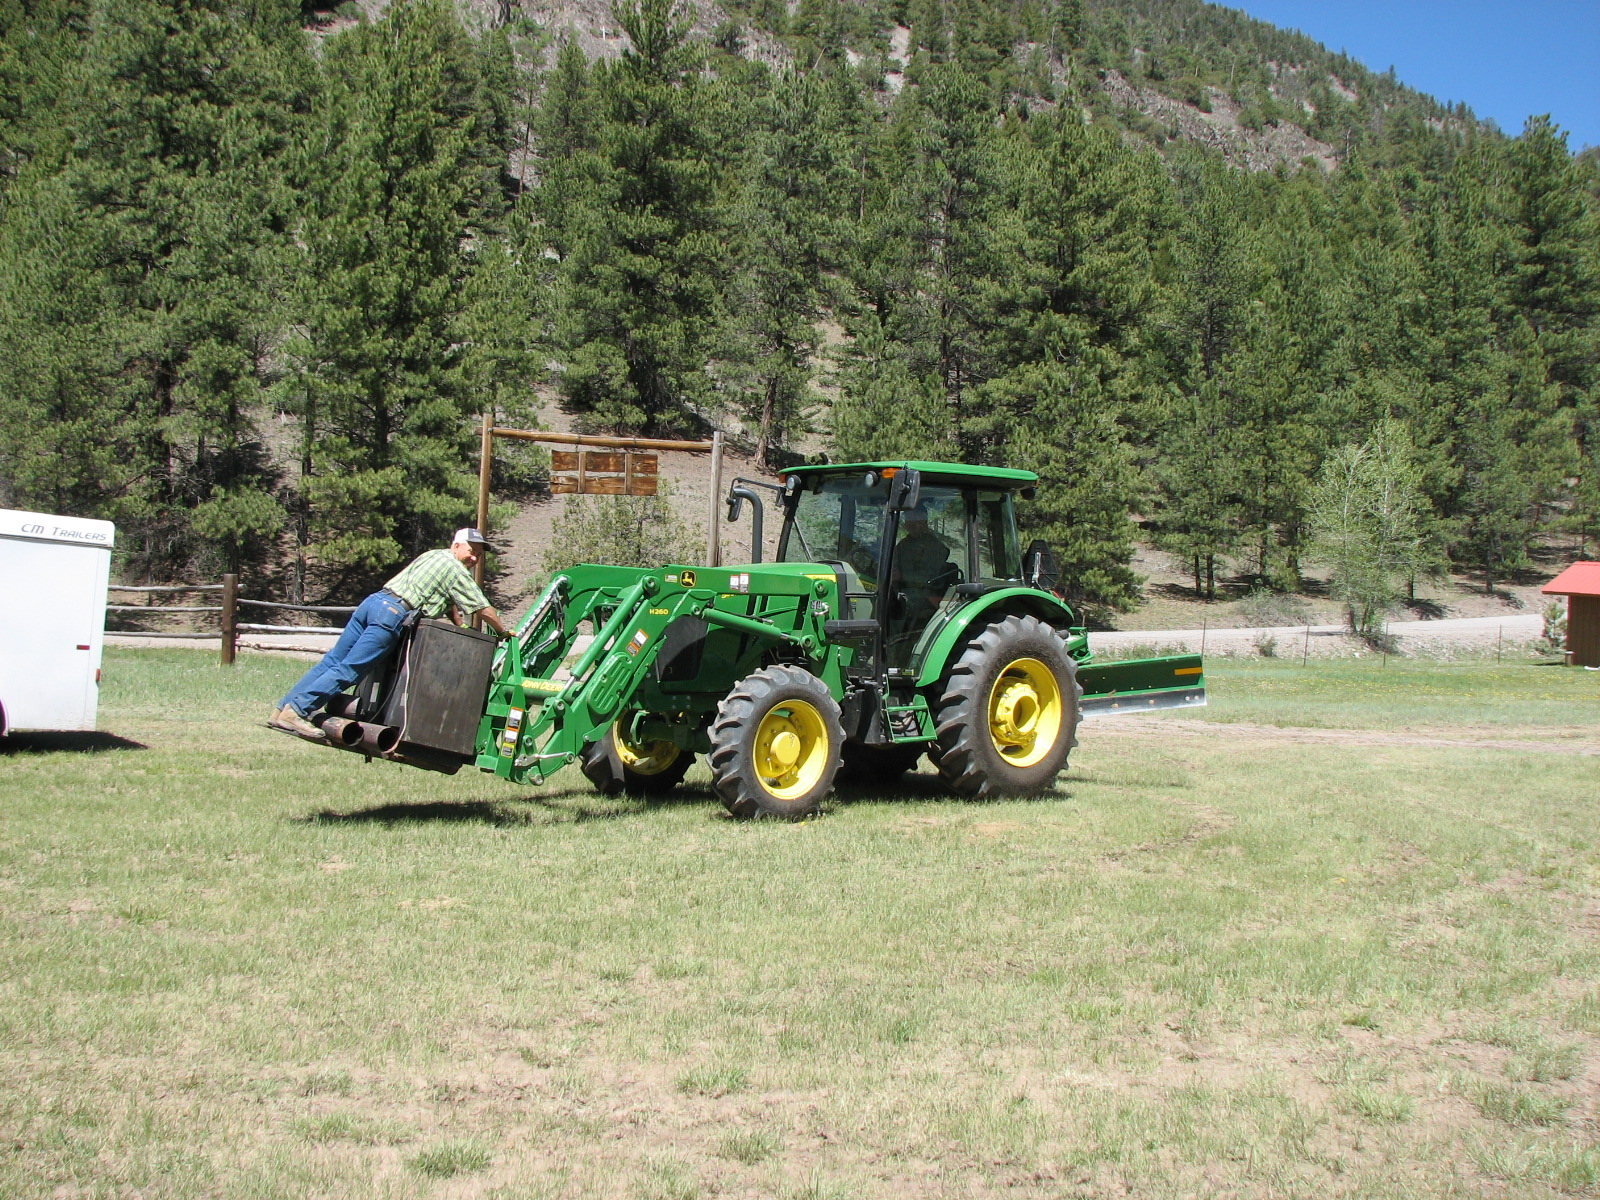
1508 59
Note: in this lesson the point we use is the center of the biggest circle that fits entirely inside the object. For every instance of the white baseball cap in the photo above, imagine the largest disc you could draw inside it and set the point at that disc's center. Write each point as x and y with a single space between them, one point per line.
473 538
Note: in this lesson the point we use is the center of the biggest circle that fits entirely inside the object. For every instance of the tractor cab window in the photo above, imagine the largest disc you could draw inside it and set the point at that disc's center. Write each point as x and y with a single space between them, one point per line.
930 559
999 557
840 520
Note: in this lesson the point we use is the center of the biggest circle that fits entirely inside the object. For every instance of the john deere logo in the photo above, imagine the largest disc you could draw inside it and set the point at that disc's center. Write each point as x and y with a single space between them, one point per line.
688 578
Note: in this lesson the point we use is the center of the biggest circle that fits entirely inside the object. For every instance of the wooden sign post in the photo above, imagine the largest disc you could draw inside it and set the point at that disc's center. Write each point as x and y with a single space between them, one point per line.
598 473
586 471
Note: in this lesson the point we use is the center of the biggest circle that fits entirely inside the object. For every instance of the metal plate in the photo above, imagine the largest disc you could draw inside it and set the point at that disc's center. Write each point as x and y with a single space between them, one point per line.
1134 703
437 699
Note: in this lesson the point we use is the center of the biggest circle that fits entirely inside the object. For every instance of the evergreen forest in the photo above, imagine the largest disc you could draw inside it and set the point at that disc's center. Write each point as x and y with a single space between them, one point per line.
264 266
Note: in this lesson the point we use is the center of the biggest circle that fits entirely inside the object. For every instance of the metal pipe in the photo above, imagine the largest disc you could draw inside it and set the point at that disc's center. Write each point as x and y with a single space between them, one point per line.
376 741
342 705
379 740
627 606
342 733
765 629
736 494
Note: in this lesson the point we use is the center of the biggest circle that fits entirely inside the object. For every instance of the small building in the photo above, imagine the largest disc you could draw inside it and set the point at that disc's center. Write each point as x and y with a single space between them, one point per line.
1580 584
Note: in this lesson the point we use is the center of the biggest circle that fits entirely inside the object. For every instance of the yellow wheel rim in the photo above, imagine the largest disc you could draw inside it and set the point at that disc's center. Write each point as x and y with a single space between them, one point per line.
1025 712
643 758
791 749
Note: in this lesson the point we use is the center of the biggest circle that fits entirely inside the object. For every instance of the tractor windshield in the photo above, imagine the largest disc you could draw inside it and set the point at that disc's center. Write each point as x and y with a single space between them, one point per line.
841 521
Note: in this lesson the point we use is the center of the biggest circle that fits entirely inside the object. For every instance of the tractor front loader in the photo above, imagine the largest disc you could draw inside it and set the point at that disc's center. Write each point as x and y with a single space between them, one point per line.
900 619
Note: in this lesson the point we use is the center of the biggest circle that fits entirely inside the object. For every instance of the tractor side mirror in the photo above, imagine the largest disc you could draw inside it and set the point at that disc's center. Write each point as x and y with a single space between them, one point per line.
907 492
1040 567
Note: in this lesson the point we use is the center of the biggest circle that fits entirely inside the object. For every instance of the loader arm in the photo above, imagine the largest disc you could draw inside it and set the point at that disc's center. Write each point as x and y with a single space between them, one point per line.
538 718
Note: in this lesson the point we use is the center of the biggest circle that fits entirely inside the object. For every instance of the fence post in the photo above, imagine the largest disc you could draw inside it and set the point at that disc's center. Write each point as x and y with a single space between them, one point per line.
230 618
714 533
485 470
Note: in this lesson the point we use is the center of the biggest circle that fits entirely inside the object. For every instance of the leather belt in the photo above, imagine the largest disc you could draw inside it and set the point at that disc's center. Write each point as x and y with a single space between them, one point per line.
404 603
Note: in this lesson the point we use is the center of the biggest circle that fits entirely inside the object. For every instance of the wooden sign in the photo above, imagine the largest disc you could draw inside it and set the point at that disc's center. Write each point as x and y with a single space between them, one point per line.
602 473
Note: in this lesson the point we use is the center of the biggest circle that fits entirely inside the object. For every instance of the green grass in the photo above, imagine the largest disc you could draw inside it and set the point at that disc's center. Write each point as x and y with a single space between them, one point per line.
451 1158
1470 697
1234 964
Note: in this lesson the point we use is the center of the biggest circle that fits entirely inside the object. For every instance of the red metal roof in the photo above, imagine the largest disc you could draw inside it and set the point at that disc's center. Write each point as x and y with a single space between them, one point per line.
1580 579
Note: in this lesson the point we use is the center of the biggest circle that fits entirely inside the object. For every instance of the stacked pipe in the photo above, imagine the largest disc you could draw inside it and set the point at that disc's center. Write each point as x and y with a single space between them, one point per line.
344 732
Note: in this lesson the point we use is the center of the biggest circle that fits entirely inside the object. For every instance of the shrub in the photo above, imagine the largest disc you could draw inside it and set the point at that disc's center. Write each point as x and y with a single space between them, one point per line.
1270 609
622 531
1555 628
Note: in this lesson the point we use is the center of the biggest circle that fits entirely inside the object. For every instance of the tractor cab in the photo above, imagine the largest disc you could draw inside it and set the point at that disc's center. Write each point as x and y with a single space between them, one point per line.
912 544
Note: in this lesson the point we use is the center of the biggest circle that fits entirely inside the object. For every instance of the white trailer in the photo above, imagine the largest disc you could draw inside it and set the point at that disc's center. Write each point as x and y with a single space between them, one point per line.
54 572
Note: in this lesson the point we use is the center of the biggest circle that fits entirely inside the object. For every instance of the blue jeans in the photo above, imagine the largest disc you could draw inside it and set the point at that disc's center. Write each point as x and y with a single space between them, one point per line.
372 632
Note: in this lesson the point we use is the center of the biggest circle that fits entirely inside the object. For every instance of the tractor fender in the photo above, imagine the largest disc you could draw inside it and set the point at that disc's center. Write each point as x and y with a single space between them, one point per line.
1022 601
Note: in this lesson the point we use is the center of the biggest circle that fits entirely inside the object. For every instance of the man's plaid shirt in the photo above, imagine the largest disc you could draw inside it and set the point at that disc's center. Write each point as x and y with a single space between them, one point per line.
437 579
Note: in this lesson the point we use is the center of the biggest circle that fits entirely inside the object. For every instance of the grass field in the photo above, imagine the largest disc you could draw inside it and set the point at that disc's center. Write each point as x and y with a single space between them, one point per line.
1311 941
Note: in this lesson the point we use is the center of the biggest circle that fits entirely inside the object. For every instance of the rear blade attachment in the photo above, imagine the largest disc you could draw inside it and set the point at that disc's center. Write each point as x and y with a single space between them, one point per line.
1142 685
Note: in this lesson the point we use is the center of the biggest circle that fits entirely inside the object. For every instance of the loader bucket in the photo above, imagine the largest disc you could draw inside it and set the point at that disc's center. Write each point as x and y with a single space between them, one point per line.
1142 685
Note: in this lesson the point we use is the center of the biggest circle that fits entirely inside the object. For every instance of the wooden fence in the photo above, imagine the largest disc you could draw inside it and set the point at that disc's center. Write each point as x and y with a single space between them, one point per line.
228 625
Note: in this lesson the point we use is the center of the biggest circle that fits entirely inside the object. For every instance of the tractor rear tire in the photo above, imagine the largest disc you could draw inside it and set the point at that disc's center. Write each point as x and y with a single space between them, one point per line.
863 764
775 744
1008 711
613 764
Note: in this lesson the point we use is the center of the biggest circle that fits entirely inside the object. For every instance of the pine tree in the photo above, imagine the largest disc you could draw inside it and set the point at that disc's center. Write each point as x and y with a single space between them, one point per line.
394 180
40 44
640 280
1216 273
789 215
883 410
1554 291
1070 280
146 266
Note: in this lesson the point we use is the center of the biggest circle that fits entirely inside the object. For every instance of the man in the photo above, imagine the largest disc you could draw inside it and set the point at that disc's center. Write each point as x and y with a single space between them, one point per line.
922 561
437 579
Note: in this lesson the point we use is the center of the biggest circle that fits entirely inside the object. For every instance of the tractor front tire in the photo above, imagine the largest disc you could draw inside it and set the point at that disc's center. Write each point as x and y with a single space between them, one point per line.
775 744
614 764
1008 711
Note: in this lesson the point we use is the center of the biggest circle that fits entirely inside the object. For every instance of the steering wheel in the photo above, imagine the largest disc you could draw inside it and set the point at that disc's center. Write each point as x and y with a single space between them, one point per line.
863 560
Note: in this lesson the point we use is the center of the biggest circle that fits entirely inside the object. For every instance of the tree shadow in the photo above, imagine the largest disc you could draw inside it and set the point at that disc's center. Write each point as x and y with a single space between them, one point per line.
1426 610
66 743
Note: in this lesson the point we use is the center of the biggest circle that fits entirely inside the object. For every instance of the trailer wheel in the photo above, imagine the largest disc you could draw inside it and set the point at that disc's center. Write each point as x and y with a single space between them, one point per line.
1008 711
775 744
650 768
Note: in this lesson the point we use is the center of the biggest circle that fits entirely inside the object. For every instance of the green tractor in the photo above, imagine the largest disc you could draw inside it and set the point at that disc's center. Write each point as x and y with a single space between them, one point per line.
901 618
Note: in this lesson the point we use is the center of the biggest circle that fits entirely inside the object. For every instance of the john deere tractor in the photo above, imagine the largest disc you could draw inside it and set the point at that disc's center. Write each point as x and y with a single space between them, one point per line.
901 618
